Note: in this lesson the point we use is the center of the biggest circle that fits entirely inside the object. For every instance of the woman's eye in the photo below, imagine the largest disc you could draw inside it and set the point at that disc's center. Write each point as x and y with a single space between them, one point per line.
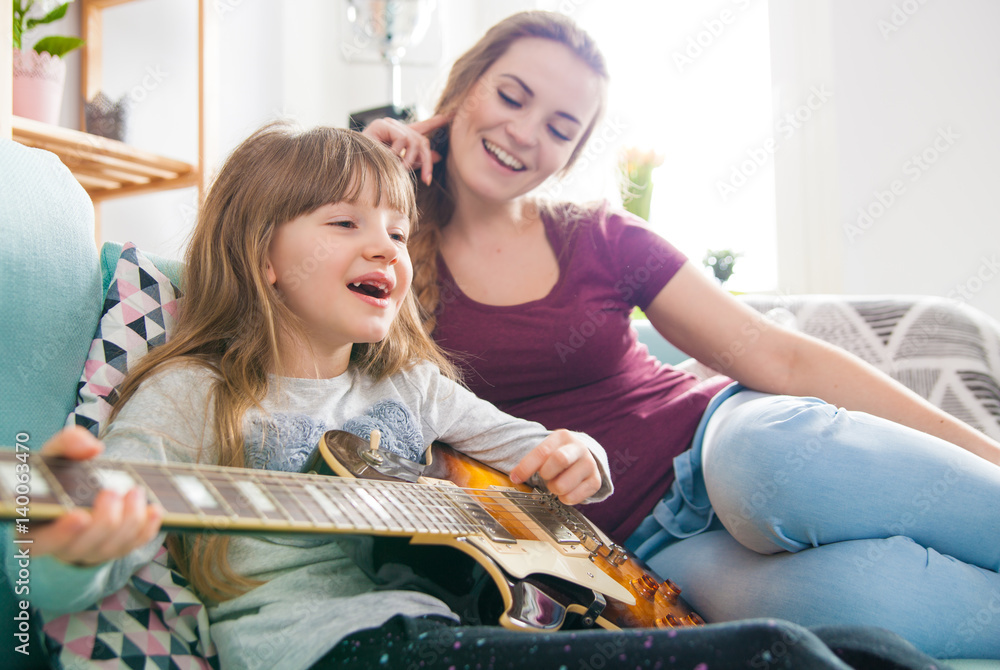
558 135
509 100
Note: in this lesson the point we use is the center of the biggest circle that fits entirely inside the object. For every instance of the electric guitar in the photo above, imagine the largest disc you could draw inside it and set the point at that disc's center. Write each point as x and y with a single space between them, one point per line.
548 563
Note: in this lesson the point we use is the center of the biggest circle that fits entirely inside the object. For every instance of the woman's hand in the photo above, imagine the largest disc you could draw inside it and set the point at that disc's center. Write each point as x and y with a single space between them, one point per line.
114 526
410 142
567 466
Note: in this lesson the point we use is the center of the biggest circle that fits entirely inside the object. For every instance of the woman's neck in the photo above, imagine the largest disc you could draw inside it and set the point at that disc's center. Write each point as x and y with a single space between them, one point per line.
473 218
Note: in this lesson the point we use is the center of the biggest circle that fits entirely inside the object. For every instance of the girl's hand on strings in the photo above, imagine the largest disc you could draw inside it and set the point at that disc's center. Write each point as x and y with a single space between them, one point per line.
566 464
114 526
410 142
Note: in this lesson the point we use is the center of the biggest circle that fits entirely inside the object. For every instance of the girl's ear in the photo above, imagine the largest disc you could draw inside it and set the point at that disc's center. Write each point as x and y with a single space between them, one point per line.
272 278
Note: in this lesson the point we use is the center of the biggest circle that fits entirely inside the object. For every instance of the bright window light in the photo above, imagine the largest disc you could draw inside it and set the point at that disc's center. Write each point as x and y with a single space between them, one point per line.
692 81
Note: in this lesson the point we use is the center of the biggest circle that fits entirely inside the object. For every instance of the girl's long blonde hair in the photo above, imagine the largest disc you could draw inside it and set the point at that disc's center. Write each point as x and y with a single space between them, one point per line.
230 316
435 201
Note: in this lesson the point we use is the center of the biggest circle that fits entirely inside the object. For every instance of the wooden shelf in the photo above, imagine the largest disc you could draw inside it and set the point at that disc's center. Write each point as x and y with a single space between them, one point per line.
106 168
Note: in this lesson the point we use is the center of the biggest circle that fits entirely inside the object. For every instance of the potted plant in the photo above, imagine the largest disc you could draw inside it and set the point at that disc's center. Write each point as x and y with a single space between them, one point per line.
721 262
39 71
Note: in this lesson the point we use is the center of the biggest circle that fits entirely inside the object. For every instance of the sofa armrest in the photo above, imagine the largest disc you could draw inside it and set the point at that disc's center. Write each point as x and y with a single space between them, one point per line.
944 350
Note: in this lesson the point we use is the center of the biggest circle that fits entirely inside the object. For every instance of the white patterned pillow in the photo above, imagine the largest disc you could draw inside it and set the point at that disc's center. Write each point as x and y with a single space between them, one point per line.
139 312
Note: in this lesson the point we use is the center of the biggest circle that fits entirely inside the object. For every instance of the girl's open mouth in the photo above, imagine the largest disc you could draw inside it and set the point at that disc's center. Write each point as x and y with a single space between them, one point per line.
373 289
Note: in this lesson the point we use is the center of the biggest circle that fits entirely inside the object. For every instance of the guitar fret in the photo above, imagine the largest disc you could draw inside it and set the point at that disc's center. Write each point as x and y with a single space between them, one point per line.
141 472
171 497
351 508
81 490
50 492
240 500
396 508
289 502
336 509
212 502
327 503
437 507
376 506
426 504
318 504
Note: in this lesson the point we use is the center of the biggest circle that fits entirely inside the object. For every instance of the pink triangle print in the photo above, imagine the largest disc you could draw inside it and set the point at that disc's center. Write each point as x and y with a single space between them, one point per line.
130 313
126 289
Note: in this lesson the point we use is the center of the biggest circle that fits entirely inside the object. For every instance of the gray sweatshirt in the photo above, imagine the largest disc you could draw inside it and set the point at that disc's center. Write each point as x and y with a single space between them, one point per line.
314 594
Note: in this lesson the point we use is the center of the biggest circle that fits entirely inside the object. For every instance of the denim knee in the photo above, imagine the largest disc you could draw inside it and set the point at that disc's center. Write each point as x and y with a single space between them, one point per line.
760 461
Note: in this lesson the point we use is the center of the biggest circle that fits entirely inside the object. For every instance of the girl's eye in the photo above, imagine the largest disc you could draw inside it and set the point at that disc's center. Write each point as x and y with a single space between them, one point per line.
346 223
399 237
558 135
509 100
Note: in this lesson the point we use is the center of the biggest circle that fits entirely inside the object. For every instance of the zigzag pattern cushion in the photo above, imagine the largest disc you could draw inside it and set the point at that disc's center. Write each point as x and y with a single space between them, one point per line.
139 311
944 350
156 621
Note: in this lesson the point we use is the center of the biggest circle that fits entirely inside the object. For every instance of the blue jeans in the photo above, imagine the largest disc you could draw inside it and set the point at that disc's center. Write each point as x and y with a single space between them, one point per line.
794 509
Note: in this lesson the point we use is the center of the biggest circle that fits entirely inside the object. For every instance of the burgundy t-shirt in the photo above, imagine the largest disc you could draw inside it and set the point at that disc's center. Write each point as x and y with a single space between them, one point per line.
572 360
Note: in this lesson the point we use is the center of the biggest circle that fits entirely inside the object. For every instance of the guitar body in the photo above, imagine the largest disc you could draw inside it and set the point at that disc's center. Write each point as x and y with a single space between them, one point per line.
549 575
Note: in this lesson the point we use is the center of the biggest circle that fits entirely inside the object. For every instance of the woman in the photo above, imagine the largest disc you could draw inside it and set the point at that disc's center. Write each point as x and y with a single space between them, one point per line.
762 502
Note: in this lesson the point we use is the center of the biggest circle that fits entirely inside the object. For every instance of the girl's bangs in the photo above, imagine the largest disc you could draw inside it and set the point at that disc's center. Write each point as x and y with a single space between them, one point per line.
392 187
355 168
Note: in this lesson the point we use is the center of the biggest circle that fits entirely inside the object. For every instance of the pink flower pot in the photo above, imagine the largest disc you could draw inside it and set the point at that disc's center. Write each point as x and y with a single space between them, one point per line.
38 85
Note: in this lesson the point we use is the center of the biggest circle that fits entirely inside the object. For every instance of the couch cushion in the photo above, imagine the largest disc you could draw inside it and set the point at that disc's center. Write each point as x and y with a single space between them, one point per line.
140 308
112 251
50 299
51 294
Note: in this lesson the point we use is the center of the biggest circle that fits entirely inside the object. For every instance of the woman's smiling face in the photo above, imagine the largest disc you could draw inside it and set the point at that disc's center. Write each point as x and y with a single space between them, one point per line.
521 121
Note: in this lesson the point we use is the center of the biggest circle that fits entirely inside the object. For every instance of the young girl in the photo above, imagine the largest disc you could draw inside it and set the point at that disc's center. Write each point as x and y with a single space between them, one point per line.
296 320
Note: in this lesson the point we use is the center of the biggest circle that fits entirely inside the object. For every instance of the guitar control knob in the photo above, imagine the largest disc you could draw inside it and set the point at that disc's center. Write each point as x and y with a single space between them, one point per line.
645 586
695 620
668 621
669 592
669 589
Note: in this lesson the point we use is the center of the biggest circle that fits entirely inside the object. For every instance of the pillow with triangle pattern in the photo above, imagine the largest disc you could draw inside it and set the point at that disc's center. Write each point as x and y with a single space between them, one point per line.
139 312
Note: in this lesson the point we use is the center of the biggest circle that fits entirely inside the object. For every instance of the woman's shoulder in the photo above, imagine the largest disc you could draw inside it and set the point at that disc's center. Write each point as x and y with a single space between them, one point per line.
600 215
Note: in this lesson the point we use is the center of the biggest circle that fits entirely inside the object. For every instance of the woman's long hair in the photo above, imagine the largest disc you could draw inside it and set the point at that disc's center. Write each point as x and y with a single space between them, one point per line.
435 202
231 316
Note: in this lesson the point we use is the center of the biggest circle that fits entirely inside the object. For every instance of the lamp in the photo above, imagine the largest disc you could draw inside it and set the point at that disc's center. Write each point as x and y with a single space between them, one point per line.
387 28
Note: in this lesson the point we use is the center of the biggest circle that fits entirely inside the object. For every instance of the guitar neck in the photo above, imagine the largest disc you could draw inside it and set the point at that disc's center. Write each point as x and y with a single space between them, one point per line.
202 497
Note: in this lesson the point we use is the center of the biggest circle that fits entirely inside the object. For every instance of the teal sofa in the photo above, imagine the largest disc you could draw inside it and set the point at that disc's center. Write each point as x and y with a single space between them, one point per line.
53 281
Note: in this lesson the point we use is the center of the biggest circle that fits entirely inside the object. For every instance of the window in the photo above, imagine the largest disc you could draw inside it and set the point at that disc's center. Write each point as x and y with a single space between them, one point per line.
692 81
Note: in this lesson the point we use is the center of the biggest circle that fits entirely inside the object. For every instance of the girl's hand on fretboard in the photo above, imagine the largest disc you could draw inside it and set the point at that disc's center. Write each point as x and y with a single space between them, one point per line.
115 525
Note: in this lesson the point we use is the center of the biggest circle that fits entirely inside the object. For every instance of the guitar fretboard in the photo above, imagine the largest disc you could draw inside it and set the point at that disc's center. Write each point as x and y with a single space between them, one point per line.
202 497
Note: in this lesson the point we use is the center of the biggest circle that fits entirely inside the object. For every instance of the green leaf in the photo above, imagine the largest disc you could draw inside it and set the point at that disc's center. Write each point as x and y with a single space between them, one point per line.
54 15
58 46
19 13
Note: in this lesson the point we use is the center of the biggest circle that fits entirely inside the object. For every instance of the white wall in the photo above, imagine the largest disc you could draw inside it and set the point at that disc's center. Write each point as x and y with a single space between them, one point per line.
277 60
914 145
